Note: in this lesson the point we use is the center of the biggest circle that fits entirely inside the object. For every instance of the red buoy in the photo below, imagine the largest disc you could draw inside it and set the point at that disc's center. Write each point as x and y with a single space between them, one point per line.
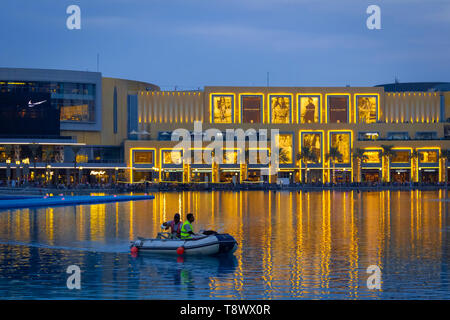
134 250
180 250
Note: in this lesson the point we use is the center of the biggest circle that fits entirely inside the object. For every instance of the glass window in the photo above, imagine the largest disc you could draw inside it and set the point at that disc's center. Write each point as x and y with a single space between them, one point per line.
309 109
222 108
401 157
80 106
285 148
341 141
338 109
280 109
172 157
258 156
398 136
251 109
230 157
372 157
426 135
143 157
314 142
368 136
428 156
367 109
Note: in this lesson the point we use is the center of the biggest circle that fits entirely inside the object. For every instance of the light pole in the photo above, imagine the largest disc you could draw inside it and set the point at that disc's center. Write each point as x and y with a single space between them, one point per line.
8 170
80 172
47 172
18 175
26 169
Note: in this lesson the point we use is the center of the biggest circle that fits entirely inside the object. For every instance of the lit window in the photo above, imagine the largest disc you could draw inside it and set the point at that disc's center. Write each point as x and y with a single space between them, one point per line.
280 109
222 108
143 157
309 109
428 156
401 157
367 109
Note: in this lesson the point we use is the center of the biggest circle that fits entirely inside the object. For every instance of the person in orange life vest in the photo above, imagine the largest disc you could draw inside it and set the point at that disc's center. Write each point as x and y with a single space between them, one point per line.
174 225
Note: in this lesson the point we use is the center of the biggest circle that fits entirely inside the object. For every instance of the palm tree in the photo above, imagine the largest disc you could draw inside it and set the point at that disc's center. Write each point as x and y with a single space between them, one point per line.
34 147
445 154
283 156
8 150
359 155
334 155
47 154
387 154
306 155
75 150
415 158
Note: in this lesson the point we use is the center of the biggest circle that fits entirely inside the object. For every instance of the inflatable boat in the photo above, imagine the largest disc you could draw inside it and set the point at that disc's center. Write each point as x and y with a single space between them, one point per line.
211 243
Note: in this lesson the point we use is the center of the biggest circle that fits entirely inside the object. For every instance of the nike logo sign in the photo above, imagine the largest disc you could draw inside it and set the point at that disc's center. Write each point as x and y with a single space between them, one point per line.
31 105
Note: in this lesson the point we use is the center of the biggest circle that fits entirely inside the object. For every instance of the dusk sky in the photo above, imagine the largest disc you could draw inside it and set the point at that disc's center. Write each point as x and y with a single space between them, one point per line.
194 43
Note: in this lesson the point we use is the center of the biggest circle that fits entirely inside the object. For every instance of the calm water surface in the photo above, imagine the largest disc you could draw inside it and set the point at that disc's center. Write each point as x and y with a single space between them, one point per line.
314 245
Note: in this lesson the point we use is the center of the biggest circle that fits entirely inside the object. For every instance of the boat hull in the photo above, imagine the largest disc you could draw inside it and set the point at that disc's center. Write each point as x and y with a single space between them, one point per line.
206 245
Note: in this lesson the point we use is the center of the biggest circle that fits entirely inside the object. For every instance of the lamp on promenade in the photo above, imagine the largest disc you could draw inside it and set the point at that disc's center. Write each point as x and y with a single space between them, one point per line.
18 173
8 170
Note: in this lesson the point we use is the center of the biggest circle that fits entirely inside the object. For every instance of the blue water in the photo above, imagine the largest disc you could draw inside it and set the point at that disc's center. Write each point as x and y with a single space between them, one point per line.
315 245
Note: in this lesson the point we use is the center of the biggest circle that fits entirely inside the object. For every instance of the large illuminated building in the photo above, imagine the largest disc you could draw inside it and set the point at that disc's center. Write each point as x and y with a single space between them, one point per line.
120 130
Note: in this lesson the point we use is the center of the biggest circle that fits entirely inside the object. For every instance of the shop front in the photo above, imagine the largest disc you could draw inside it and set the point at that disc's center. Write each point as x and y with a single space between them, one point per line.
200 175
286 176
429 175
312 175
256 175
172 175
400 175
371 175
229 175
343 176
145 175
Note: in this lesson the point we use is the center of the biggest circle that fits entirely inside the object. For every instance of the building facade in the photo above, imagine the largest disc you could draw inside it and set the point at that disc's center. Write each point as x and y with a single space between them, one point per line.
121 131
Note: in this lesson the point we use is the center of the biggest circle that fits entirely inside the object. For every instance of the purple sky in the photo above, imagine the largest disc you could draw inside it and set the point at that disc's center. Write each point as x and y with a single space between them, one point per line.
193 43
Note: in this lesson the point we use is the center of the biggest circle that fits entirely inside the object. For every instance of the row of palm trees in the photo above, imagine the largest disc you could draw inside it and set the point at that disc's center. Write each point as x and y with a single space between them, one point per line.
307 156
47 153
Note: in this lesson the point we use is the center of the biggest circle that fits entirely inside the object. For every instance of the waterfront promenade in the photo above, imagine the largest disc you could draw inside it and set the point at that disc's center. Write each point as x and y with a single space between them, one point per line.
85 189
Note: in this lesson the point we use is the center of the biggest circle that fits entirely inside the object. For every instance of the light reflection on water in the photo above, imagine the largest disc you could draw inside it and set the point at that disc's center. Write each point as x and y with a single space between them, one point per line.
291 245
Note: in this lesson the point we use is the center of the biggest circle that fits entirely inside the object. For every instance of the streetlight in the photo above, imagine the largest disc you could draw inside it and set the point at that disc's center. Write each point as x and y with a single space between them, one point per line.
8 169
79 174
18 175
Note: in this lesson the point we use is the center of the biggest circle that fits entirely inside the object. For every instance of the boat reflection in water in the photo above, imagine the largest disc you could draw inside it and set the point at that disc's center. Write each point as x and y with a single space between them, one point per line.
188 272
